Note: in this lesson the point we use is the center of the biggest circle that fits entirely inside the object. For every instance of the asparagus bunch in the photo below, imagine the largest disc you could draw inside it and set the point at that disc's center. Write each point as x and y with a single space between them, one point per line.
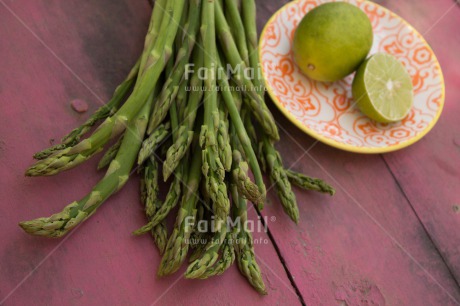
198 132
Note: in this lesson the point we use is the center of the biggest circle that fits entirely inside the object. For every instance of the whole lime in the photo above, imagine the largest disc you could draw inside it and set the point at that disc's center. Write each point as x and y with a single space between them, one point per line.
332 40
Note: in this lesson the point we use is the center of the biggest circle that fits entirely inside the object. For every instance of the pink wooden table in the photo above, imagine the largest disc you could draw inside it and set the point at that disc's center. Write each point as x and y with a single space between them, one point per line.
390 236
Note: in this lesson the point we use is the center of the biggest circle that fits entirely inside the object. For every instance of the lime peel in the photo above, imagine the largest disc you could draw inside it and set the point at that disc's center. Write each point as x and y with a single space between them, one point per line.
382 88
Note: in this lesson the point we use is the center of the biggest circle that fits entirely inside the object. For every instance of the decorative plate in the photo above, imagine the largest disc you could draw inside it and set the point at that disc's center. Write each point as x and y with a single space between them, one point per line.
326 111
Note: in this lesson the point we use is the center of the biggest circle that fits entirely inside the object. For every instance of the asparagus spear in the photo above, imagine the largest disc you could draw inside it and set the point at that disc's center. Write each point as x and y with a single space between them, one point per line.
154 29
213 170
117 174
242 238
248 8
149 186
309 183
199 247
202 265
181 101
170 202
256 103
175 188
178 243
160 236
171 85
226 259
177 151
199 237
244 248
185 133
101 113
243 137
245 186
172 160
237 28
223 139
116 124
149 197
280 179
172 197
152 142
109 155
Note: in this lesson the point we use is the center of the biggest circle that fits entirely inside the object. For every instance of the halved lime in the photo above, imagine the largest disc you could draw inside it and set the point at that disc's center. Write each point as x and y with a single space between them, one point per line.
382 88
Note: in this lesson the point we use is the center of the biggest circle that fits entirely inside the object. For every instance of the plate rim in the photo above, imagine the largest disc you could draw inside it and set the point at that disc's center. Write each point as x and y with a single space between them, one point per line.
335 143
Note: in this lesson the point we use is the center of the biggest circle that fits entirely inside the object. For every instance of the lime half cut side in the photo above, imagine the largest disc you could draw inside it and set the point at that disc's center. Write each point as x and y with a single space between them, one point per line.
382 88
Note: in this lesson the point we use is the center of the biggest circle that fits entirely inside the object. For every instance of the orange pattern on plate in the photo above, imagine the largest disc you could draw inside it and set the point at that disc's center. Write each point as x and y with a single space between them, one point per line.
326 110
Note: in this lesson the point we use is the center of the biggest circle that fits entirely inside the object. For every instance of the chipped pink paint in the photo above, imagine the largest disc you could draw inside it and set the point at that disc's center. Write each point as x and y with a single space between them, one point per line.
79 105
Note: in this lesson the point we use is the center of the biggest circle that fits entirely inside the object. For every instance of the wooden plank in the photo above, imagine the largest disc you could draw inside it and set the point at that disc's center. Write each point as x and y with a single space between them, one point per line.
429 171
365 245
100 263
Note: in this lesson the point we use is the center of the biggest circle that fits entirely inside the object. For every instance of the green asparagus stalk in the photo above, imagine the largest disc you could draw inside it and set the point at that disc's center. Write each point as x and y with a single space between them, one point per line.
120 92
223 139
176 152
156 20
172 198
243 245
177 111
195 91
202 265
242 238
201 241
149 186
309 183
246 187
237 28
103 112
180 37
243 137
256 144
178 243
110 154
152 204
181 100
226 259
169 264
116 124
280 180
152 142
117 175
175 188
149 197
248 8
199 237
213 170
256 103
160 236
171 85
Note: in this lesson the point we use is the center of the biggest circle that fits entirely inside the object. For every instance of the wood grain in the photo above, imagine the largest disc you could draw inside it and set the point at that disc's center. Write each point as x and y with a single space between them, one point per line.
100 263
378 241
367 245
429 171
